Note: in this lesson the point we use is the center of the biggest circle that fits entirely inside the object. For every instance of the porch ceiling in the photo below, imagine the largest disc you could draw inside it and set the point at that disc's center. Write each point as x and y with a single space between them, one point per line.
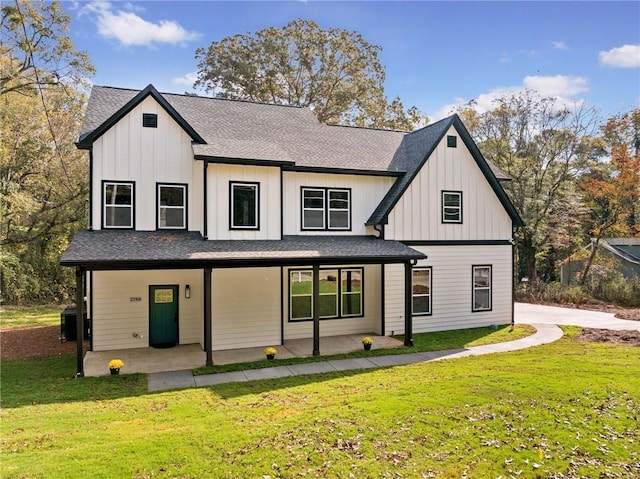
110 250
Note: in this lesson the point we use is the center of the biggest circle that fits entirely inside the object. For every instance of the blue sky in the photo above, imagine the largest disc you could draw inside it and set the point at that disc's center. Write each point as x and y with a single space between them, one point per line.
437 54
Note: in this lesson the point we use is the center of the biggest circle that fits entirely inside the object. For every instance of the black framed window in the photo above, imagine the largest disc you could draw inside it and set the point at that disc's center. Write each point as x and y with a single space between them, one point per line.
150 120
452 141
172 206
118 204
326 208
244 201
452 206
421 291
482 282
341 293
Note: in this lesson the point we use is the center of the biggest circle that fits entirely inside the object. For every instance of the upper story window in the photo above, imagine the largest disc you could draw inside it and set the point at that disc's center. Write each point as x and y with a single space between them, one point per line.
150 120
452 206
172 206
326 208
421 291
452 141
118 204
482 288
244 202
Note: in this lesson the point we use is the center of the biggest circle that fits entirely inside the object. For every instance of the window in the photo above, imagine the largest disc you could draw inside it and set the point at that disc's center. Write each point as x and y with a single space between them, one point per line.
421 291
340 293
150 120
452 141
452 206
326 209
244 206
481 288
117 203
172 210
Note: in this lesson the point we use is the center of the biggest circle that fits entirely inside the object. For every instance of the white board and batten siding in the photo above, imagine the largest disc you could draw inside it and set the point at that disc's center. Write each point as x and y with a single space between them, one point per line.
147 156
418 214
451 286
219 179
245 308
120 316
369 323
366 193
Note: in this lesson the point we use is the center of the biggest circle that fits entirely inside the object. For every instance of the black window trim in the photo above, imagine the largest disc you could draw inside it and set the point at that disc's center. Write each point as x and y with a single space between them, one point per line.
452 141
450 192
150 120
185 187
326 208
473 288
423 268
103 212
255 184
339 269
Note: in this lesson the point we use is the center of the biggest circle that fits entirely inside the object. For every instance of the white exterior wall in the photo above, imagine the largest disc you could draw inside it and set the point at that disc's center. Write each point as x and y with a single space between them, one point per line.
451 286
116 317
219 177
146 156
418 213
366 194
245 308
369 323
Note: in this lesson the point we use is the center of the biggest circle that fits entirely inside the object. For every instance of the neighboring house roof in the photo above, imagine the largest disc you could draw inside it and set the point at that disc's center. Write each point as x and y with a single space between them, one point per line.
627 249
109 249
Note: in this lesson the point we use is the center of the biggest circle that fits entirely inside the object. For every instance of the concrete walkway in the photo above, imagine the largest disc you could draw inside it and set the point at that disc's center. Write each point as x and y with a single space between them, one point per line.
544 318
546 333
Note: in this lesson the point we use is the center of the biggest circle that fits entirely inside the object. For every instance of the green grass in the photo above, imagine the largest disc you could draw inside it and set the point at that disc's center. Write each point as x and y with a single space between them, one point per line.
566 409
30 316
422 342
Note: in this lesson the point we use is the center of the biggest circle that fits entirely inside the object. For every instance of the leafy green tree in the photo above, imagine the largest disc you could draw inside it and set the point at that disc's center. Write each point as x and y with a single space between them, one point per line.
336 73
542 146
43 177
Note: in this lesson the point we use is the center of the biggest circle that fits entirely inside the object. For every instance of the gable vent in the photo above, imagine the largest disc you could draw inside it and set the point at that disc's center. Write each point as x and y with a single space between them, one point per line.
150 120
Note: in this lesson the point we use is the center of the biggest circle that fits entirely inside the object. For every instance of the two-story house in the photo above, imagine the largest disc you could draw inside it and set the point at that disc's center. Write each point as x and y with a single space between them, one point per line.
235 224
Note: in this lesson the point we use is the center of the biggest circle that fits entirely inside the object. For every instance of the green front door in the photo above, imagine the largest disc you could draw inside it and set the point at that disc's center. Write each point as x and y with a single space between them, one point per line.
163 316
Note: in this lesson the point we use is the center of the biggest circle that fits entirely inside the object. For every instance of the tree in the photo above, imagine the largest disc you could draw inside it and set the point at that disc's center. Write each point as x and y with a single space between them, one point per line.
35 50
542 146
610 189
43 181
334 72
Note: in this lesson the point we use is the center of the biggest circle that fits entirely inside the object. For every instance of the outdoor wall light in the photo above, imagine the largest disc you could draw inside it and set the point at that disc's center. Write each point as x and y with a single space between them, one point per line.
187 291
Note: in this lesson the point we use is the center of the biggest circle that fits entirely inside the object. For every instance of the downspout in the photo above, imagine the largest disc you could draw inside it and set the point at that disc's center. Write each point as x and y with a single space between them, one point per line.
514 280
91 188
204 194
79 322
380 229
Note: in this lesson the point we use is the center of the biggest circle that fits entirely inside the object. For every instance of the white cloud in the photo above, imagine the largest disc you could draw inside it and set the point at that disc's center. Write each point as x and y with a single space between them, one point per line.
626 56
130 29
560 46
188 79
563 88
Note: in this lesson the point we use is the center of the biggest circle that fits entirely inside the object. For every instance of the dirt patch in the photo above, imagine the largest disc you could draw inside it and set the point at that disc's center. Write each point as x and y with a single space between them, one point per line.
629 338
34 342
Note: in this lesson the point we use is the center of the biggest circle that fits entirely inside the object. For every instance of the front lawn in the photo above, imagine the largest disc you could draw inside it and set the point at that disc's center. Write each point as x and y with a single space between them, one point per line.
566 409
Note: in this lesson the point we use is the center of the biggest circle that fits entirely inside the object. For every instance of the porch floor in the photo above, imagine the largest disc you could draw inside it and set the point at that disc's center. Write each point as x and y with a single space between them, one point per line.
191 356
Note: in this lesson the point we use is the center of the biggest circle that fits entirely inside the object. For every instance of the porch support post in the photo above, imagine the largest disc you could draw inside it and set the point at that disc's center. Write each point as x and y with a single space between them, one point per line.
316 310
207 316
79 322
408 309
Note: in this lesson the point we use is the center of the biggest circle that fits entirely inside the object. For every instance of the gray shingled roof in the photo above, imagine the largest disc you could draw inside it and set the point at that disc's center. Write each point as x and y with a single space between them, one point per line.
109 249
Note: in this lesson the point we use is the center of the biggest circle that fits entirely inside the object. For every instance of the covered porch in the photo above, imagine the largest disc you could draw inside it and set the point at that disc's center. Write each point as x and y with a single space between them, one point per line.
192 356
159 250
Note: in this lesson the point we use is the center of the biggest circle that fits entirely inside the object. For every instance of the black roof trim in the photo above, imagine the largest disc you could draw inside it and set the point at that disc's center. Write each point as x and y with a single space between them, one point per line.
342 171
87 140
241 161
